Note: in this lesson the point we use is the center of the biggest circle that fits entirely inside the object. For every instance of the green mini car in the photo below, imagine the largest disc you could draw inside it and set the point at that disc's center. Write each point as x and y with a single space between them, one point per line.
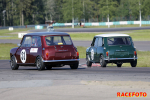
111 48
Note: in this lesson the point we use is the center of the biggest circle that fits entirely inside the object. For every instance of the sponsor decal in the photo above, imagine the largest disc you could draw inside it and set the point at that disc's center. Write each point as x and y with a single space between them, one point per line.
33 50
92 54
23 56
131 94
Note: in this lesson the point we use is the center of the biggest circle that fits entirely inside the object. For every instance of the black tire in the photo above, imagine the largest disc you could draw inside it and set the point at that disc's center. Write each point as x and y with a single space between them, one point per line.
39 64
74 66
48 67
102 61
88 63
119 65
13 64
133 63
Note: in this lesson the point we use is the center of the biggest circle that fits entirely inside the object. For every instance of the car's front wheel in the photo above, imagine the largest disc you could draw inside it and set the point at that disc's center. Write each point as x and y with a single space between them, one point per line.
39 64
74 66
88 63
102 61
13 64
133 63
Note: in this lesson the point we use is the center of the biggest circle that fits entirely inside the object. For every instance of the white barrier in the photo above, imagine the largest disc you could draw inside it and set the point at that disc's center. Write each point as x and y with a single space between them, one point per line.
20 35
11 28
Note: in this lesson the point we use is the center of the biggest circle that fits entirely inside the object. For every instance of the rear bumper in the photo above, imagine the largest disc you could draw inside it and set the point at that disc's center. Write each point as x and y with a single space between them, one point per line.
123 60
66 60
120 58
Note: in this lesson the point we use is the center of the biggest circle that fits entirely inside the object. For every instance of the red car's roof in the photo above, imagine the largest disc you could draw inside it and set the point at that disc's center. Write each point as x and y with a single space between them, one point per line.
47 33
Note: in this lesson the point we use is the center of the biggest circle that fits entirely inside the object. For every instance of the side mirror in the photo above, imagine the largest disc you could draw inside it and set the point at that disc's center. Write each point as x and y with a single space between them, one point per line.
102 45
18 45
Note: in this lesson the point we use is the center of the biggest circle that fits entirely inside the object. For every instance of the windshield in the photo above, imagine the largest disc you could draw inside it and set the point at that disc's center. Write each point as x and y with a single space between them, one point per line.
58 40
119 41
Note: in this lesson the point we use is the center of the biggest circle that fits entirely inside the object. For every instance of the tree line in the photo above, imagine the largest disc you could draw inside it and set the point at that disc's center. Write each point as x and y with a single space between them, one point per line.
30 12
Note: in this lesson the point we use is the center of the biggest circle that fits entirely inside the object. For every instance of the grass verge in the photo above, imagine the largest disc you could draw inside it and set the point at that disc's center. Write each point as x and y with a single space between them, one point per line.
5 33
5 50
143 56
138 35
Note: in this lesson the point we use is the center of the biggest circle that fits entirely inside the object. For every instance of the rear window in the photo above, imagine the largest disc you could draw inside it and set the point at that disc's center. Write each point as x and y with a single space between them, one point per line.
119 41
58 40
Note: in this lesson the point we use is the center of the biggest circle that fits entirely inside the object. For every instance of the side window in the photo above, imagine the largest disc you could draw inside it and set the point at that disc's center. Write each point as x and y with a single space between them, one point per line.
100 42
36 41
26 42
96 42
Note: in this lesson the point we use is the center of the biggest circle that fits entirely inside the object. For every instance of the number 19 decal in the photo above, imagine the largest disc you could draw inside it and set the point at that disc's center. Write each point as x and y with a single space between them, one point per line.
23 56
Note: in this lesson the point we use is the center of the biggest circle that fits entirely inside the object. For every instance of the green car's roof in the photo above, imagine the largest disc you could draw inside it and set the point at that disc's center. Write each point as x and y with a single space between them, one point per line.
112 35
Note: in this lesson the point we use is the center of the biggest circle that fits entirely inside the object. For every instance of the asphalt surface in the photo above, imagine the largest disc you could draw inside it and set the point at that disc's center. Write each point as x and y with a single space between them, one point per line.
82 73
140 45
96 83
94 29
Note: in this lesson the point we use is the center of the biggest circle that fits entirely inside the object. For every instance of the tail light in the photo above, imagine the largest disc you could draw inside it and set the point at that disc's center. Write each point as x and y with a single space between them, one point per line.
106 53
134 52
77 53
46 55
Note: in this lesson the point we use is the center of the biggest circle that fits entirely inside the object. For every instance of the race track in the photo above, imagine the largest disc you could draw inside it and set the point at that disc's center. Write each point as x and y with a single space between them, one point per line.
65 84
95 83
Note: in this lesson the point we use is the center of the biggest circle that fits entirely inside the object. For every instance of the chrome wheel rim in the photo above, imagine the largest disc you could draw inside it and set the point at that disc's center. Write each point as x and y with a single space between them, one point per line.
87 59
12 64
38 64
101 62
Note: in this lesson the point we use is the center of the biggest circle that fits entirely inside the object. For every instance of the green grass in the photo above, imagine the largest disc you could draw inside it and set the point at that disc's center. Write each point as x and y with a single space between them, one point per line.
143 56
139 35
6 32
5 50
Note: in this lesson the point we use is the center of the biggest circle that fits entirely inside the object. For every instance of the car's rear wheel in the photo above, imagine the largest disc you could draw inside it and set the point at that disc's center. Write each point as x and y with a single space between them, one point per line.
13 64
39 64
88 63
102 61
74 66
133 63
119 65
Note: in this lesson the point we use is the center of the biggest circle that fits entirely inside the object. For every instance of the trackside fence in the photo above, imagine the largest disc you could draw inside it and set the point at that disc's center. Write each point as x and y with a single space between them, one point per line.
41 26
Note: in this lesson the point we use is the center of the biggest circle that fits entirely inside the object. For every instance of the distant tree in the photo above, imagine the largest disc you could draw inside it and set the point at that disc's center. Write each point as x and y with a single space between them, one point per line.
108 8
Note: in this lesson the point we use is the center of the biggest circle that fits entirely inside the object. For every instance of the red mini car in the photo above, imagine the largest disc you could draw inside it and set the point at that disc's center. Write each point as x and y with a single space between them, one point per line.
45 49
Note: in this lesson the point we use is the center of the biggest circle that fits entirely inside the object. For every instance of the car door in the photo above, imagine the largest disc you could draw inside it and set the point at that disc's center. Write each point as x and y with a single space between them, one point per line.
93 49
23 52
100 48
36 48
